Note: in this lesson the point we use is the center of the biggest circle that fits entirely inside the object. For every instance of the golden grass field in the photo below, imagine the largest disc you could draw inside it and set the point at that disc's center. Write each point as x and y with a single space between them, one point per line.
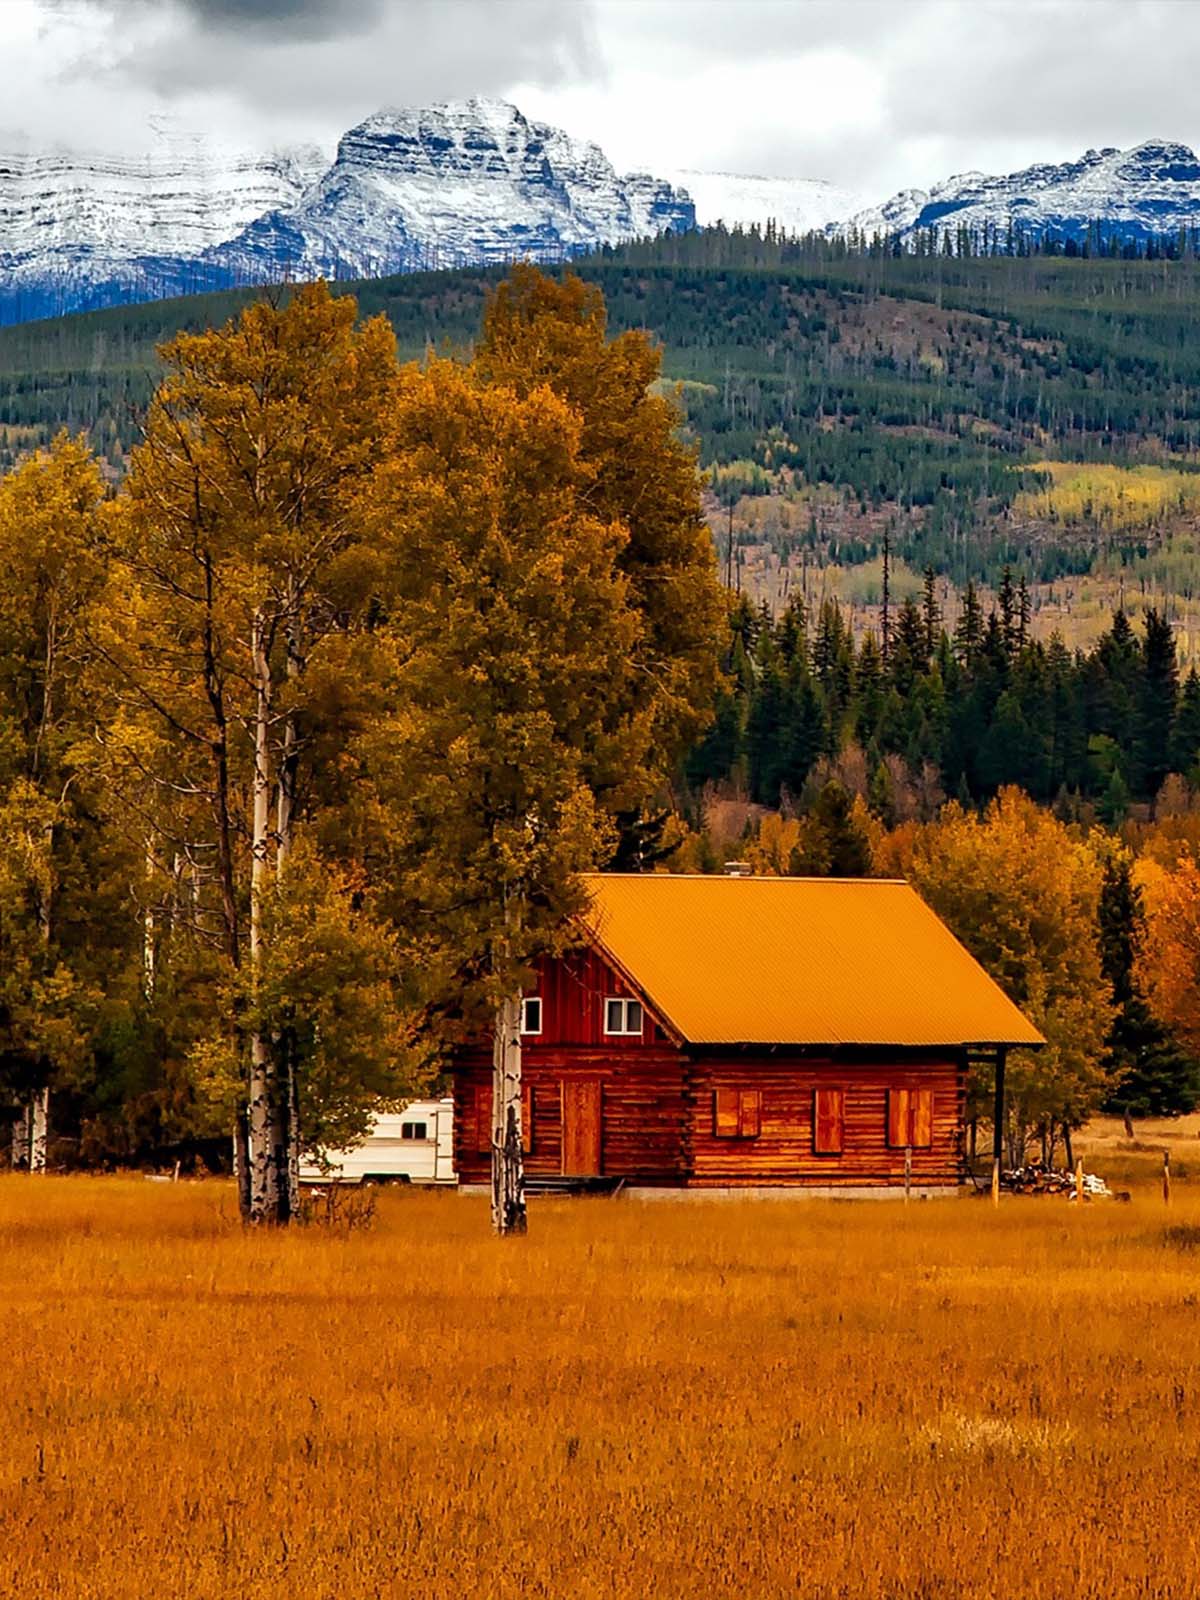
639 1400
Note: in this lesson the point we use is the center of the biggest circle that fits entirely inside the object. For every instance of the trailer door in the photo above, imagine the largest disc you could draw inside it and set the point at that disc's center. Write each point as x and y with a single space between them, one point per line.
443 1160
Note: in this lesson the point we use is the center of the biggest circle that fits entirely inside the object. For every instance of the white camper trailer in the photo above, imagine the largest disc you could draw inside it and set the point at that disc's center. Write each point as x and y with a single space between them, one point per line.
415 1145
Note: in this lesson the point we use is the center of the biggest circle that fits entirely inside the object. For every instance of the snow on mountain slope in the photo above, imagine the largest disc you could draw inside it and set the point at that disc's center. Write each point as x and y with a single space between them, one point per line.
798 205
1145 192
453 184
63 213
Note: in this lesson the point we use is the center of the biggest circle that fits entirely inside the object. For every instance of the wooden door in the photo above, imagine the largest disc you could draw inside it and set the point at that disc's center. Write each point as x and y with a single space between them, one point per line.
581 1107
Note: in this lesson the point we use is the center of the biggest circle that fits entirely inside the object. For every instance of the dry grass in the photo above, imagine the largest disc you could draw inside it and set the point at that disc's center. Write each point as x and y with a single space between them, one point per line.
640 1400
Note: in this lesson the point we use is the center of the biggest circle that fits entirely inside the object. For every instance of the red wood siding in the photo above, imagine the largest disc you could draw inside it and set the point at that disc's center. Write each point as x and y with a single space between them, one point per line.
573 990
786 1149
642 1127
670 1116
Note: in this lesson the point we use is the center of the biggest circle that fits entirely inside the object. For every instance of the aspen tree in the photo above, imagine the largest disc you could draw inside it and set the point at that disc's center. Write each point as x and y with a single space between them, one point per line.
511 641
51 557
239 551
536 688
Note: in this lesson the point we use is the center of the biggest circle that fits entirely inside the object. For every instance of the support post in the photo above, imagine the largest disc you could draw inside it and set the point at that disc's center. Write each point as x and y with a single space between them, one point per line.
1166 1177
998 1123
907 1172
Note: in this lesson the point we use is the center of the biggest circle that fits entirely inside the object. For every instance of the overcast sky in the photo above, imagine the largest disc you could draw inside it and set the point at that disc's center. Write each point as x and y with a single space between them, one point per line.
873 94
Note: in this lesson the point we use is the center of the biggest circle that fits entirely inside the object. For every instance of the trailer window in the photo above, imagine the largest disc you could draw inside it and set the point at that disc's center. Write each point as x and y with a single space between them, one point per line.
413 1130
531 1014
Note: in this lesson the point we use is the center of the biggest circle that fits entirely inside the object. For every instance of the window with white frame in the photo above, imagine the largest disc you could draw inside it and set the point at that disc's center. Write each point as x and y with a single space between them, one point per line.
623 1017
531 1014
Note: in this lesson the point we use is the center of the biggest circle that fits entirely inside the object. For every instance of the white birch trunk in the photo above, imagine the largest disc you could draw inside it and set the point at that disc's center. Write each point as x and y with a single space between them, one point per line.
20 1139
508 1167
39 1128
287 1102
149 932
264 1177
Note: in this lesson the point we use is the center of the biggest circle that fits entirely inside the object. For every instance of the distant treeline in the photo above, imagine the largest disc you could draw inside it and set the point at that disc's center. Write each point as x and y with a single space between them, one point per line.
967 713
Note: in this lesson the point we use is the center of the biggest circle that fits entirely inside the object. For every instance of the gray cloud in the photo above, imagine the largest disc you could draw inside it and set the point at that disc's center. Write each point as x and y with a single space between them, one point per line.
313 67
874 94
300 19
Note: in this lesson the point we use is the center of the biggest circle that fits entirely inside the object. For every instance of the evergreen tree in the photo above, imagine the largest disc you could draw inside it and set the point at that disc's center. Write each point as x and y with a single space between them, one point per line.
1152 1075
1159 690
931 612
1185 729
847 850
968 631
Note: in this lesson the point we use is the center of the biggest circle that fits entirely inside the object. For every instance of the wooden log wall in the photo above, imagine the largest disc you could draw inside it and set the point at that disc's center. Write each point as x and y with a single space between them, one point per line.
641 1110
784 1150
660 1104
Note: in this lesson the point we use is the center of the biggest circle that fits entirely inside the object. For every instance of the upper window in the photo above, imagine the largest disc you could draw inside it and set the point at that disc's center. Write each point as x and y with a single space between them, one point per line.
531 1014
413 1130
623 1016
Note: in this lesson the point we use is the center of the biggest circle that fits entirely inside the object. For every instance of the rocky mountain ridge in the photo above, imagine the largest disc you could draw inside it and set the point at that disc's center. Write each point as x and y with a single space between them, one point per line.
1144 193
453 184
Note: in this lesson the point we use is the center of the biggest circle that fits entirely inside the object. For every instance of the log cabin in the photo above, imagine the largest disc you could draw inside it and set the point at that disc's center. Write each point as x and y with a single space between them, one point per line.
735 1033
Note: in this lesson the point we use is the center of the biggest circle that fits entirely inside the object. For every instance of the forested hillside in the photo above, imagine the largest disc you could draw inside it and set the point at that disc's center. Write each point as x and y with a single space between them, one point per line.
953 402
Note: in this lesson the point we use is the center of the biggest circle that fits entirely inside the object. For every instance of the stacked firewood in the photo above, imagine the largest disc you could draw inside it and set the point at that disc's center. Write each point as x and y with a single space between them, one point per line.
1036 1179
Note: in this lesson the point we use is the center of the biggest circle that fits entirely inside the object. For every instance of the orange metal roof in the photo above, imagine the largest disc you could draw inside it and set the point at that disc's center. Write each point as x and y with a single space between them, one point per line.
828 961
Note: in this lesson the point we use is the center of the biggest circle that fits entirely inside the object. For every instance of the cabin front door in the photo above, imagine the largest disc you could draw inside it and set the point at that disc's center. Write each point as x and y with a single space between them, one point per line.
581 1103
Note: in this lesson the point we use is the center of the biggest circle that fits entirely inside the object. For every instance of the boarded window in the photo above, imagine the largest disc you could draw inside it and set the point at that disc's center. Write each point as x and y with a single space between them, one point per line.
726 1113
922 1118
899 1118
829 1121
910 1118
527 1117
737 1113
749 1113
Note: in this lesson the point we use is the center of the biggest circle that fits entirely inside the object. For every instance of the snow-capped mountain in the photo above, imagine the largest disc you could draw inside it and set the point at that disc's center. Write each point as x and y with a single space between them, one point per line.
450 184
1151 190
85 230
455 184
797 205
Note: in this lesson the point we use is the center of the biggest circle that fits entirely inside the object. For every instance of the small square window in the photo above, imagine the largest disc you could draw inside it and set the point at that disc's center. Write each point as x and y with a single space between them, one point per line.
623 1017
413 1130
531 1015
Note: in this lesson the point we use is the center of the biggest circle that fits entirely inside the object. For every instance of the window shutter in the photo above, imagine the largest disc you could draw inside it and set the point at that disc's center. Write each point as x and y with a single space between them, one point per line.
922 1118
483 1119
726 1113
749 1113
829 1121
527 1117
899 1118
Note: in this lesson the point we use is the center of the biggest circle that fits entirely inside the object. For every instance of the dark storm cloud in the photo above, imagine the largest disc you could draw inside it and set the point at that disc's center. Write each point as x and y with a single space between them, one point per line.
329 62
304 19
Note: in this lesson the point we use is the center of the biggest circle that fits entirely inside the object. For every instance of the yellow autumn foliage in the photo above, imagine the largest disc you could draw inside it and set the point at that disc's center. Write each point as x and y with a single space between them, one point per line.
1100 494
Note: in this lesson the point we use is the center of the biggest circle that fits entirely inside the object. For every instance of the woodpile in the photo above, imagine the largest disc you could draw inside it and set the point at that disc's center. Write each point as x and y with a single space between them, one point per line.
1037 1180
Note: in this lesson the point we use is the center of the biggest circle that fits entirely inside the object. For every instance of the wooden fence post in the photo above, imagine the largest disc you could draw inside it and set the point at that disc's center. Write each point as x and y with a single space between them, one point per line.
1166 1177
1079 1180
998 1123
907 1172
